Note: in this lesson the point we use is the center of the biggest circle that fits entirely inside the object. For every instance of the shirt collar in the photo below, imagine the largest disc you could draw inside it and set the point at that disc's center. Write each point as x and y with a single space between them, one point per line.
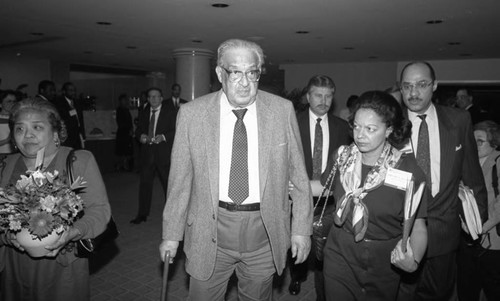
430 112
227 108
157 109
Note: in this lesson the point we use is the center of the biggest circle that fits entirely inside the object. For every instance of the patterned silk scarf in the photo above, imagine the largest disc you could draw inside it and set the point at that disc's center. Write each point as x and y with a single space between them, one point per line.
351 204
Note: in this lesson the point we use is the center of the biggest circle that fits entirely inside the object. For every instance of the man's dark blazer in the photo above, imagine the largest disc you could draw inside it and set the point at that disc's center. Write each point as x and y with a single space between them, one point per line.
459 161
71 121
476 114
339 132
157 153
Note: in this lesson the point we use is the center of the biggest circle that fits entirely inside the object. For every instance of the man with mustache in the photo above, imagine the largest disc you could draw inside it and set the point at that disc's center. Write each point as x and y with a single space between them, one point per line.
321 133
444 145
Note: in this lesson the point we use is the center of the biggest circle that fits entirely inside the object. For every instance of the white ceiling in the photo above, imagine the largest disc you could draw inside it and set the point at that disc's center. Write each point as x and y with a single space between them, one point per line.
378 30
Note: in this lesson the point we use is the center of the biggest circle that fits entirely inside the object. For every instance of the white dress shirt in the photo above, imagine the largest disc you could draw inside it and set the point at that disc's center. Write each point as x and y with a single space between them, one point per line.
326 136
434 145
227 121
157 115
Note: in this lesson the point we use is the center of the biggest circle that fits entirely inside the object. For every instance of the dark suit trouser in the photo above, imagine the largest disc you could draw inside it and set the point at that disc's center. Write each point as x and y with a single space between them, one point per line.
435 280
242 247
146 185
298 272
478 268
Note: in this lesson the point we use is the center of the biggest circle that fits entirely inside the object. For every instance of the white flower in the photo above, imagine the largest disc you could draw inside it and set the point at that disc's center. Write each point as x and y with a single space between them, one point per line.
23 183
15 225
39 178
48 203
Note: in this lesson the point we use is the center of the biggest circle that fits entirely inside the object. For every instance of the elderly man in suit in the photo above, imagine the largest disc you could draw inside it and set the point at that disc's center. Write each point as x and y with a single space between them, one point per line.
235 152
321 133
445 148
155 131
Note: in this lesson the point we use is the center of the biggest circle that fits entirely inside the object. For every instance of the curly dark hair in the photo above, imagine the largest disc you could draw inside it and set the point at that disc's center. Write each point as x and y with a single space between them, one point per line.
388 108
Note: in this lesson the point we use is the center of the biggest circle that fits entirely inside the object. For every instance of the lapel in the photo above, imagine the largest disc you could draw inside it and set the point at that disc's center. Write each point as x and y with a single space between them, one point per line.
211 132
305 134
264 123
447 134
331 130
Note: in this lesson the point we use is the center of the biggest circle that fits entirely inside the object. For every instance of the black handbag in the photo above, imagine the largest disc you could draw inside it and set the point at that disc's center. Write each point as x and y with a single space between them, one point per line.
89 246
322 223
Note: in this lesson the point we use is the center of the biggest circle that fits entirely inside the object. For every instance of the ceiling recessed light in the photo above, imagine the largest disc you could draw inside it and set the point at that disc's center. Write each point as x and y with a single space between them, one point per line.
220 5
196 41
437 21
302 32
454 43
131 47
348 48
36 33
104 23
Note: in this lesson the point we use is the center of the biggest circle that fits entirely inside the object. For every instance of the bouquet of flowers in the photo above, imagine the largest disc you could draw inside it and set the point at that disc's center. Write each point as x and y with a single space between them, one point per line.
41 202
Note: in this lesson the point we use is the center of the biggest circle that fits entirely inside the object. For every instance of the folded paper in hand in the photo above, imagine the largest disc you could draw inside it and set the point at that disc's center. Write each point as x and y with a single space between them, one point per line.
412 201
471 212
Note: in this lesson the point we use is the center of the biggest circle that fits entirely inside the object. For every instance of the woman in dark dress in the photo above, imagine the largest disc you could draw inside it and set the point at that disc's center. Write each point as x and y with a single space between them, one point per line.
124 142
363 257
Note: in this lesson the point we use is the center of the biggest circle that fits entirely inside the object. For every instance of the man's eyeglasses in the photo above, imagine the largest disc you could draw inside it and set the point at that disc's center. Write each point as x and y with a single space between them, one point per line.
421 85
236 76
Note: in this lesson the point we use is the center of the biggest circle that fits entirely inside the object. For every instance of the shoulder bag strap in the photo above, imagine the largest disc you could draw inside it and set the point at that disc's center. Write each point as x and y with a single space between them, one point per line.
69 166
494 176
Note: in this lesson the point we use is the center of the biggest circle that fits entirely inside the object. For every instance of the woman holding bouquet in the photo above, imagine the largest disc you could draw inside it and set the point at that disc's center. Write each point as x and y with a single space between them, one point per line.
363 256
35 125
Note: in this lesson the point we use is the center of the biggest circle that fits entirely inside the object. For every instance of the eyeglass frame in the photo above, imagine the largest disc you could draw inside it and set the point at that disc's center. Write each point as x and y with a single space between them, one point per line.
229 72
421 85
481 142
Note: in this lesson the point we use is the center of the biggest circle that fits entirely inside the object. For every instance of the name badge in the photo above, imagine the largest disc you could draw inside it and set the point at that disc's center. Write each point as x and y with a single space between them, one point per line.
397 178
72 112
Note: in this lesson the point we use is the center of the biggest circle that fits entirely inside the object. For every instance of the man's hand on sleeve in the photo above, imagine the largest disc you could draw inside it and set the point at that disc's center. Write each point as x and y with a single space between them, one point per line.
301 245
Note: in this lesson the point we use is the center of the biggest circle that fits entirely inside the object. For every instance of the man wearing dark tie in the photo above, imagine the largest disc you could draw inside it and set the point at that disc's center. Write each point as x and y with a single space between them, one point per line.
445 148
155 131
321 133
176 96
235 152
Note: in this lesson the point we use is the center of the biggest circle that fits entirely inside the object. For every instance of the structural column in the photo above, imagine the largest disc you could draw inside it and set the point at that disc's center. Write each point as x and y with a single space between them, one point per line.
193 71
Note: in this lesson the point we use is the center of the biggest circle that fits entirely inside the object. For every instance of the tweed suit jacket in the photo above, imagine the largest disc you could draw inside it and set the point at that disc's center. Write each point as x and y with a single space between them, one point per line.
191 210
339 132
459 161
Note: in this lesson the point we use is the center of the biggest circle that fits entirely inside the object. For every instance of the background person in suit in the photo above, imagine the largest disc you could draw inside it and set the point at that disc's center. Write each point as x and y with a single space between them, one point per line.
466 102
333 132
246 227
71 115
155 131
46 90
176 96
448 155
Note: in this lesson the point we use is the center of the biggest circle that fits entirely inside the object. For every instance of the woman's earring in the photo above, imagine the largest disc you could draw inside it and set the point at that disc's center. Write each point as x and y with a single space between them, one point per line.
57 142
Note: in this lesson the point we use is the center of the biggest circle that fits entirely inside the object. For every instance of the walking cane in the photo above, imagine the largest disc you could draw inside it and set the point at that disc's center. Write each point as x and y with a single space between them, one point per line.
165 276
